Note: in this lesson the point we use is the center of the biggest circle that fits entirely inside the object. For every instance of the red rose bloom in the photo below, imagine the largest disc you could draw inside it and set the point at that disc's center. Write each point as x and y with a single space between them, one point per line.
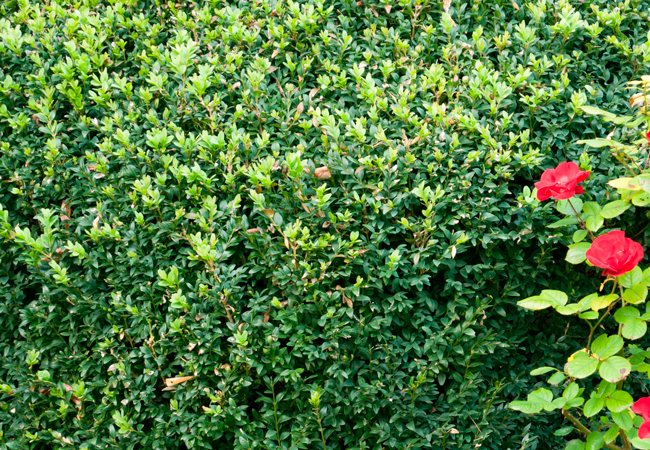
615 253
642 407
561 183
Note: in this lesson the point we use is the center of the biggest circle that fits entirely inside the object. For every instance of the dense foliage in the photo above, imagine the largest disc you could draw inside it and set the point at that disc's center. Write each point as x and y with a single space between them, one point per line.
288 225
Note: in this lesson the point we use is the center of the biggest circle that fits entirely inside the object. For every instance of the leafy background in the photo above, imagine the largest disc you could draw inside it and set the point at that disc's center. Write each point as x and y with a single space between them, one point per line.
279 197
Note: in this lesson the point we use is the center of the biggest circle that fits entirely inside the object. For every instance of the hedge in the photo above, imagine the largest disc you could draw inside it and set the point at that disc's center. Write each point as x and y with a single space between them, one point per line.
291 225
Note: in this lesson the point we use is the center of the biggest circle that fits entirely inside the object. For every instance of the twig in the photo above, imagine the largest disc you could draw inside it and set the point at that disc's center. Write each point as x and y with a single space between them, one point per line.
584 430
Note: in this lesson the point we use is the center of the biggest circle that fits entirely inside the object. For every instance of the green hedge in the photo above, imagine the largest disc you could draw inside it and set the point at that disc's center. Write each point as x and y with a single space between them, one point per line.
315 209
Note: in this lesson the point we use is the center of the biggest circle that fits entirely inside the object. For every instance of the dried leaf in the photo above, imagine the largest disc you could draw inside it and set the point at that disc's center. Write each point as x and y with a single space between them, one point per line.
446 4
624 183
96 222
454 431
169 382
515 5
313 93
323 173
388 8
300 109
637 100
253 230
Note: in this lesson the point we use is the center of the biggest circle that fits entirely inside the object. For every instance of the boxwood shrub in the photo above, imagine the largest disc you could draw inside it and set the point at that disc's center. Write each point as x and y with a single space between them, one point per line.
265 224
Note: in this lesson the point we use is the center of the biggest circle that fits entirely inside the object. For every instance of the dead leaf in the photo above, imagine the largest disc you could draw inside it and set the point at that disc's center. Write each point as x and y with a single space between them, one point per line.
300 109
267 316
637 100
454 431
323 173
191 346
515 5
313 93
91 167
446 4
253 230
96 222
269 212
624 183
206 409
235 86
169 382
76 400
388 8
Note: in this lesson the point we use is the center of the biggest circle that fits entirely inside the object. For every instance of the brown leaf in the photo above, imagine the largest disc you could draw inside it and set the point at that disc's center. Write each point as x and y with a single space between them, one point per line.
267 316
169 382
91 167
446 4
637 100
300 109
236 85
96 222
323 173
454 431
269 212
253 230
388 8
515 5
191 346
313 93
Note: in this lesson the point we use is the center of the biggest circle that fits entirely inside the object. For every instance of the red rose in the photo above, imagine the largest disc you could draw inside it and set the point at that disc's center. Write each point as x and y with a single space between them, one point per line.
561 183
642 407
615 253
647 136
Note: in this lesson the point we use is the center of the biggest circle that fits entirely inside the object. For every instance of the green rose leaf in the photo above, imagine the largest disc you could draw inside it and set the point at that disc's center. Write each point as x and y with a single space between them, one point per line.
568 309
576 252
631 278
542 370
575 444
556 378
557 297
605 346
569 207
636 294
593 406
535 303
619 401
614 369
623 419
603 301
595 441
563 222
526 407
563 431
614 209
582 366
611 434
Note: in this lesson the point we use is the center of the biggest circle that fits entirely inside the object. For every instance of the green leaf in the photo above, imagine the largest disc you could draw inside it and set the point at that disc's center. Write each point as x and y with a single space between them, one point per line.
582 367
594 111
585 302
595 441
556 378
593 406
596 143
563 431
641 199
604 346
614 369
623 419
593 223
603 301
614 209
542 370
575 444
631 278
636 294
611 434
619 401
579 235
557 297
569 309
626 314
589 315
535 303
526 407
567 207
634 329
563 222
571 391
576 252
